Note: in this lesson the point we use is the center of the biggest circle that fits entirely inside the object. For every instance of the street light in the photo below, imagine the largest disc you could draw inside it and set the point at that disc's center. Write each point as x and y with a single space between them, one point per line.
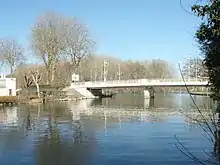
119 72
105 70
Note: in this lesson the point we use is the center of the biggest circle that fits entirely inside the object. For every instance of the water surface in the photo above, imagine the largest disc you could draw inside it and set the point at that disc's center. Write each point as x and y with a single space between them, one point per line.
124 130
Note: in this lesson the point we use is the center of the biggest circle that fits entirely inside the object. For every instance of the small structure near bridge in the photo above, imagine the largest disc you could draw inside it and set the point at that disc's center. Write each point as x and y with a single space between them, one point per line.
7 90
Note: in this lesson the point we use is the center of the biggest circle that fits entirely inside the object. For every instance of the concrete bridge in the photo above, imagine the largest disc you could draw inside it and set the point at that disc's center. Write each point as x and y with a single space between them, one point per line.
93 89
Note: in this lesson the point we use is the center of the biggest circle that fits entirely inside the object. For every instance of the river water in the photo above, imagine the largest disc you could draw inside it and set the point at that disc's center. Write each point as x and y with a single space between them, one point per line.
123 130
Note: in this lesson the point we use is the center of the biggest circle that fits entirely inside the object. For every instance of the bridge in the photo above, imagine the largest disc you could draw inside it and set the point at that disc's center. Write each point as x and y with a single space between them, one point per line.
91 89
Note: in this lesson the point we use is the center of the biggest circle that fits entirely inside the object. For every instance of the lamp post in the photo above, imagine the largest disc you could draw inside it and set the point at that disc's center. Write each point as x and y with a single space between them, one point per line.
105 70
119 72
196 88
189 69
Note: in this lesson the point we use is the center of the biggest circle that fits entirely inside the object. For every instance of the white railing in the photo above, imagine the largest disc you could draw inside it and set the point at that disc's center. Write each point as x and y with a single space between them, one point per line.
137 81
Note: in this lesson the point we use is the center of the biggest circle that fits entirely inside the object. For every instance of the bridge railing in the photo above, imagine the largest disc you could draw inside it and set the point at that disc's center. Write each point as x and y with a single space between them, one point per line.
136 81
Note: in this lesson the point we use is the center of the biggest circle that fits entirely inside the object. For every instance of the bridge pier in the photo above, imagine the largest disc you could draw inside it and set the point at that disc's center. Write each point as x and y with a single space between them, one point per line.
148 93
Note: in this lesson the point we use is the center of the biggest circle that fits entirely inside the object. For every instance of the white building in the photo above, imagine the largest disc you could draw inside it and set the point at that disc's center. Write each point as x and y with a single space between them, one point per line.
7 86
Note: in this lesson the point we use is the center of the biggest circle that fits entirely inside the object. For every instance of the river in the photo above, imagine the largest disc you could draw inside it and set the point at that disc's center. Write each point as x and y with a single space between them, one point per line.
124 130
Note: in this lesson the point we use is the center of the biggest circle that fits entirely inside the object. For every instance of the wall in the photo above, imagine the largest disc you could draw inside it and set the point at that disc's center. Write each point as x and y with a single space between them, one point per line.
6 84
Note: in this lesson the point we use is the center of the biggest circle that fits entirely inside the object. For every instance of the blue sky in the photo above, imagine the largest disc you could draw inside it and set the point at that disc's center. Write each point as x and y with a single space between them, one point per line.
129 29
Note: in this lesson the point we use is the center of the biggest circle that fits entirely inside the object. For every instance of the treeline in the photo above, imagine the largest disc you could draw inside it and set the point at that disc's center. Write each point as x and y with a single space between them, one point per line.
91 68
194 68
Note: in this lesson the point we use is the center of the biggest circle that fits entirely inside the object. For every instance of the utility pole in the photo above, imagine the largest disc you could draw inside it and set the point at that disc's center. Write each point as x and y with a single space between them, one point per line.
91 75
95 71
189 69
196 68
105 70
119 72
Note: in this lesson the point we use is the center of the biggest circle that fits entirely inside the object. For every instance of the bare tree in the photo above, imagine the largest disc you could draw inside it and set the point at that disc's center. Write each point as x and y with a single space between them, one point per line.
11 53
78 42
48 41
27 81
159 69
195 68
29 76
208 120
56 37
36 77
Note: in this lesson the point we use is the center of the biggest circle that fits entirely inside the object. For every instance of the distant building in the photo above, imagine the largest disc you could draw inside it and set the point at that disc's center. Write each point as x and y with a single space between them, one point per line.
7 86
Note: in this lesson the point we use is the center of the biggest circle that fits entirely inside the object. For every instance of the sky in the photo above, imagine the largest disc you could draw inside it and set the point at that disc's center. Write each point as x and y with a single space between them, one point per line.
128 29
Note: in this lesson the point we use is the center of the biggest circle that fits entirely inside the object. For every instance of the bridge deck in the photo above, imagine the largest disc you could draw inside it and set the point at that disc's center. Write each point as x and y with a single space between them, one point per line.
141 83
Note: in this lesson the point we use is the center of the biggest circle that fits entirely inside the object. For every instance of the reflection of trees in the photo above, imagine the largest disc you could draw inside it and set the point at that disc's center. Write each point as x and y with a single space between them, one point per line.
28 121
11 116
49 148
151 104
62 142
77 131
10 139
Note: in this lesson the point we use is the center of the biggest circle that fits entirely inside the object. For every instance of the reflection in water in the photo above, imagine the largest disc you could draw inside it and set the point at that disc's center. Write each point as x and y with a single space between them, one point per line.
147 103
161 100
83 104
27 121
12 117
122 130
151 103
8 116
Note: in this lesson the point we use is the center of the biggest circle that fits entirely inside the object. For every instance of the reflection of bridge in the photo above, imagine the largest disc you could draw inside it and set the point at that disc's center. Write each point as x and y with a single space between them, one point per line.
90 89
86 106
83 107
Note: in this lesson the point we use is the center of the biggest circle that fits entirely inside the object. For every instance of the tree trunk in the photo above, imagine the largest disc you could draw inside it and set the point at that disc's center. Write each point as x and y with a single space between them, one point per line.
52 76
38 89
37 85
48 77
11 70
75 68
53 70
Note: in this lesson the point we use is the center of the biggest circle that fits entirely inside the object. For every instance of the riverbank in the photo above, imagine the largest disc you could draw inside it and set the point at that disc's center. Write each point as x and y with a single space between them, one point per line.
8 100
48 95
49 99
201 93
